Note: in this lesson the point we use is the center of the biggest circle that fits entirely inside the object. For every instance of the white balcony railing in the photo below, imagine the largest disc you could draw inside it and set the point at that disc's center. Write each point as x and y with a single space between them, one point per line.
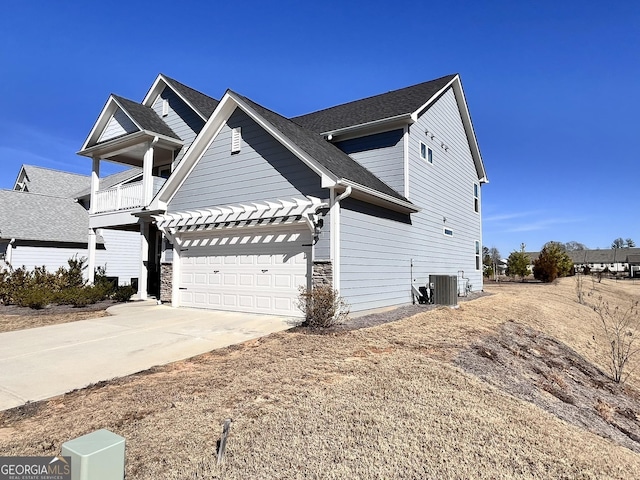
124 197
121 197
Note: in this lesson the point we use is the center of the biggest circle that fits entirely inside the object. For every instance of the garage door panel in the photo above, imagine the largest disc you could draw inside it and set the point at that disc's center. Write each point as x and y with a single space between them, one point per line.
253 272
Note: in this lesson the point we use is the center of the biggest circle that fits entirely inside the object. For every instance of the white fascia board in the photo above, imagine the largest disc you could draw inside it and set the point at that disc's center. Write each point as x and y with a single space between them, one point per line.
392 202
107 111
15 184
207 135
199 146
118 145
468 127
157 88
434 97
461 100
326 176
377 125
114 146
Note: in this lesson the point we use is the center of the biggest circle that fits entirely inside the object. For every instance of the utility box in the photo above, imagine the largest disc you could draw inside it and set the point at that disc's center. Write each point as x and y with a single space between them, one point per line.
444 289
96 456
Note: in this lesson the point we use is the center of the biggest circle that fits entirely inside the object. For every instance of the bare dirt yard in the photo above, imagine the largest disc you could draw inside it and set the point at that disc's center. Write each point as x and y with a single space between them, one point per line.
511 384
13 317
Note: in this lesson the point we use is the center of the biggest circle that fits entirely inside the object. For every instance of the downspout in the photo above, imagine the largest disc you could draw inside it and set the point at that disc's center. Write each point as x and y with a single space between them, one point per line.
335 234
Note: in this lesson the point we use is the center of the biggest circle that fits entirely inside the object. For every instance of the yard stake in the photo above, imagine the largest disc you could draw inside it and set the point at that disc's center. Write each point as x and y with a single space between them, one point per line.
222 443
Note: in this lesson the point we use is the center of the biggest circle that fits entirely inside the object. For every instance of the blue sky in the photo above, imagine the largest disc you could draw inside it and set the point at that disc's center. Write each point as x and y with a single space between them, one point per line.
552 86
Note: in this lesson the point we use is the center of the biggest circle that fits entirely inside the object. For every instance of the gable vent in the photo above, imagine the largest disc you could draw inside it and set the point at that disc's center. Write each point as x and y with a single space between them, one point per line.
236 139
165 107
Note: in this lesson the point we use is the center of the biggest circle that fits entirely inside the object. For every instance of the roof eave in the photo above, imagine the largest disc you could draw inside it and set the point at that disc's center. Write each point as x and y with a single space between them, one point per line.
381 124
113 146
379 198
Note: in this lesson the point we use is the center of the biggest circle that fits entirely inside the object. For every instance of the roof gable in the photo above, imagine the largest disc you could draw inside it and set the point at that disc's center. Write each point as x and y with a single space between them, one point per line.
120 117
46 181
395 103
200 103
334 166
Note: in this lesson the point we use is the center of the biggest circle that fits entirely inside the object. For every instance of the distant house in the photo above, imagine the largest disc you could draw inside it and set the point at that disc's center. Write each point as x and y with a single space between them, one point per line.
370 196
614 260
44 221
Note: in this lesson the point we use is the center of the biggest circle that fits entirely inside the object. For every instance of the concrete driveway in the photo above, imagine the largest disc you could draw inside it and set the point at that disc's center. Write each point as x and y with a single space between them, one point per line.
40 363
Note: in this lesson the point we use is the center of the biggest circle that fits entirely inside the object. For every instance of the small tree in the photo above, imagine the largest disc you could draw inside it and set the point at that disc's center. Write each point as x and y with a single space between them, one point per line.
618 243
574 246
620 329
518 264
630 243
494 255
553 262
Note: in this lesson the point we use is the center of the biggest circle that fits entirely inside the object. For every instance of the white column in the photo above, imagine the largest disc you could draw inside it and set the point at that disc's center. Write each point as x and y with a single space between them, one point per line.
95 183
175 275
147 175
9 253
91 246
144 260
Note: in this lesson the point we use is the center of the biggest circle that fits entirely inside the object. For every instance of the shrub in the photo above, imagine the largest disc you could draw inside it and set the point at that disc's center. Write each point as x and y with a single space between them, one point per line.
33 297
123 293
322 306
553 262
620 328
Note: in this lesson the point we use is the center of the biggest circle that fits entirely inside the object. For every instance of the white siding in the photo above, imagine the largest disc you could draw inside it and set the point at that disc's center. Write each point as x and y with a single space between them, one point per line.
121 255
51 257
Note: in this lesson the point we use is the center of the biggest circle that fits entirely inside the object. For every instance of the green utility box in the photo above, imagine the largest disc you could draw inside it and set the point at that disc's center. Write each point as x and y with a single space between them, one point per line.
96 456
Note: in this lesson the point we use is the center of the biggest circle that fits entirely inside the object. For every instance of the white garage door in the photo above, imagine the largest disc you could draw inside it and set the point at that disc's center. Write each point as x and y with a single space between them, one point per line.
254 270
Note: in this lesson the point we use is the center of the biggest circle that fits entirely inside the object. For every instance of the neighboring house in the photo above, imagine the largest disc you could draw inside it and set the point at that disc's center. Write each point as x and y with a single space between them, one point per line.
371 196
44 222
615 260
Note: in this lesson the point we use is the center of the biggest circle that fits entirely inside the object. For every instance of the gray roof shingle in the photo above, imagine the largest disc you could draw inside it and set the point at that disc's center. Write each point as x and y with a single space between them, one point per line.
386 105
324 152
29 216
146 117
598 255
46 181
201 102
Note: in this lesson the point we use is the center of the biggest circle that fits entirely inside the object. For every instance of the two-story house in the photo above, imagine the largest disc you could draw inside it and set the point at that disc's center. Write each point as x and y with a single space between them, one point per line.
372 196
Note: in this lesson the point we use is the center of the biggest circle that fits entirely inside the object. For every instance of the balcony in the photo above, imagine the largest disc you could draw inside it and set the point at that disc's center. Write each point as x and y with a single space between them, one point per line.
123 197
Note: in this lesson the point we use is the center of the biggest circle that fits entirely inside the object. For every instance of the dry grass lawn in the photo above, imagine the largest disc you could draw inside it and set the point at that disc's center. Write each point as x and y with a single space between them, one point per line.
392 401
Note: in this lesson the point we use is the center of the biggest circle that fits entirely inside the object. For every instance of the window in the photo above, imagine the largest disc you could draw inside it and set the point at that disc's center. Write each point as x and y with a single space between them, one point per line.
426 153
448 232
477 255
236 139
476 198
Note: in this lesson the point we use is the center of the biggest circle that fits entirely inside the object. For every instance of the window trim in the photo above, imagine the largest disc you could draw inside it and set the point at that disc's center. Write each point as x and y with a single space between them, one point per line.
449 230
428 153
476 197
